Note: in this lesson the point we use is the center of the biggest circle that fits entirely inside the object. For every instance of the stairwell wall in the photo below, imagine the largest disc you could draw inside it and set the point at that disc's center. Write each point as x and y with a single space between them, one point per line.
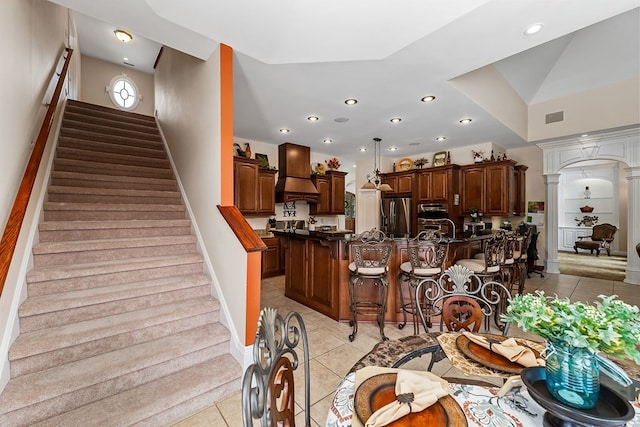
187 95
35 34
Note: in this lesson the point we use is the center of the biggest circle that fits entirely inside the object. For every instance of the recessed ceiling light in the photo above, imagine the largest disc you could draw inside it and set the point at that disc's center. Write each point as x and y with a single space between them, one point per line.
123 36
313 118
465 121
396 120
392 148
440 138
327 141
363 149
125 58
284 130
350 101
584 135
532 29
428 98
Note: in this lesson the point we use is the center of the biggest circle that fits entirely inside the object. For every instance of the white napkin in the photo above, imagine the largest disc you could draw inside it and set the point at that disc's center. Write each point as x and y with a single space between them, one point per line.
508 348
425 391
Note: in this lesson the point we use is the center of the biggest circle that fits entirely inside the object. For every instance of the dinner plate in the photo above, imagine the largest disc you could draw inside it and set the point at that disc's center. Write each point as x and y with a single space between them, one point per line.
488 358
405 164
379 390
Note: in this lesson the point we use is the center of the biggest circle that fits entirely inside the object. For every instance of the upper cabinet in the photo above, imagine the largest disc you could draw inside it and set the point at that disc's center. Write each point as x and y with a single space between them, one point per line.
331 187
438 184
495 188
400 182
254 187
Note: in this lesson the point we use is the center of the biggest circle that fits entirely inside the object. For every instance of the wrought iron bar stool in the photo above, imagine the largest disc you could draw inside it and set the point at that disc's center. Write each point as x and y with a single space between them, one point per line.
370 252
427 254
521 258
487 266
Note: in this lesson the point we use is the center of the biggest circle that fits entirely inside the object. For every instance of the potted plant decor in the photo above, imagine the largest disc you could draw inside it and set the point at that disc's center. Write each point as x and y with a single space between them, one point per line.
575 333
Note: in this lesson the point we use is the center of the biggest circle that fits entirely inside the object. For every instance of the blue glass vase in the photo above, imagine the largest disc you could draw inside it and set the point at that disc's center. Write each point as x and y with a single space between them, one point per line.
573 375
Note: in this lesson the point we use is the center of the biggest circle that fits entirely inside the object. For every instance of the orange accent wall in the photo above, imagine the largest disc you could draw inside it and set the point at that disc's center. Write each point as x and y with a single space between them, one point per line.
254 264
254 259
226 125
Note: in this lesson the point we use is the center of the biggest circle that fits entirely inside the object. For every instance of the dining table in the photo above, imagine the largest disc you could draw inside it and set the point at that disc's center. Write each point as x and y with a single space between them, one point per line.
483 390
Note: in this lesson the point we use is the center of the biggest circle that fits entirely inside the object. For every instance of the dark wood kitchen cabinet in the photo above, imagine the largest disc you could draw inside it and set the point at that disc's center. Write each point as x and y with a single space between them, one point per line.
401 183
271 257
495 188
331 187
438 184
254 187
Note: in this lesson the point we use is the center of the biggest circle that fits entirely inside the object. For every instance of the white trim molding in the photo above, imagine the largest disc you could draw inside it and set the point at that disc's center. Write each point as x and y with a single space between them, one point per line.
620 145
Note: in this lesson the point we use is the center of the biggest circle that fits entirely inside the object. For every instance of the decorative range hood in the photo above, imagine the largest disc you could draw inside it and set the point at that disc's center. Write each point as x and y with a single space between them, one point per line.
294 181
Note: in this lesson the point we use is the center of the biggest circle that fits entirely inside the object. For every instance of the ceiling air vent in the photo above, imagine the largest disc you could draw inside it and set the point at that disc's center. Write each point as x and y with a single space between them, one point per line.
554 117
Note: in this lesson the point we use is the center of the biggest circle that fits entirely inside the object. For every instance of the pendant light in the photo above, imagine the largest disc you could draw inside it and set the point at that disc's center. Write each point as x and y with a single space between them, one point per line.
377 180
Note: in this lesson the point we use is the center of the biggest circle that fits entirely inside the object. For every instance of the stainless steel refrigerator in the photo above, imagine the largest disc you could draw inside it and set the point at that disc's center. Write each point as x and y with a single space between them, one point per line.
395 216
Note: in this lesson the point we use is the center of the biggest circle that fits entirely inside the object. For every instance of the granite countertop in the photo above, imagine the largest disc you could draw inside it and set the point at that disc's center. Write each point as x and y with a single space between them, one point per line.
328 235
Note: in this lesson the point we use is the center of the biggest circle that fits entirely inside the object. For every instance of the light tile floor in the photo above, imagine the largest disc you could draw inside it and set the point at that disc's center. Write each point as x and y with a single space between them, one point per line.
332 355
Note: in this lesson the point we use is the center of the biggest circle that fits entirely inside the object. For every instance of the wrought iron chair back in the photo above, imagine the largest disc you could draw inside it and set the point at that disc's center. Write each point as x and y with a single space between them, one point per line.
460 286
268 384
427 251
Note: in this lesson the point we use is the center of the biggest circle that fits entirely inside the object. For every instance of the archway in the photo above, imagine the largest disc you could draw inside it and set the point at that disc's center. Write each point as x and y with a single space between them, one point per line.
622 146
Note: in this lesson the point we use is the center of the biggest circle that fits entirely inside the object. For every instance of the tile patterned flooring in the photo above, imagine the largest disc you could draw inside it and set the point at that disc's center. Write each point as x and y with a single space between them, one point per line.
332 355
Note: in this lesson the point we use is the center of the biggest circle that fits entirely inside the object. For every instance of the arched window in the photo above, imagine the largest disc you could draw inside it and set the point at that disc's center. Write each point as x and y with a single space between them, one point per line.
124 92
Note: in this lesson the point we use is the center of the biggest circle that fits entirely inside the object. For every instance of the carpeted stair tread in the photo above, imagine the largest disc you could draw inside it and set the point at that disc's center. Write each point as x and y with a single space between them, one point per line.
105 147
112 181
111 121
93 129
105 267
129 207
88 297
112 195
104 244
85 166
119 140
50 339
55 231
94 109
169 398
60 387
112 158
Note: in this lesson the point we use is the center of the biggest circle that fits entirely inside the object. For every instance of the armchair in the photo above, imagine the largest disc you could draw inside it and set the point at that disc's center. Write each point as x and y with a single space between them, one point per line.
601 237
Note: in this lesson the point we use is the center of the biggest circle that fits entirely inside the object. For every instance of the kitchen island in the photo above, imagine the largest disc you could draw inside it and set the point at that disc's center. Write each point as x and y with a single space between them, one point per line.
317 272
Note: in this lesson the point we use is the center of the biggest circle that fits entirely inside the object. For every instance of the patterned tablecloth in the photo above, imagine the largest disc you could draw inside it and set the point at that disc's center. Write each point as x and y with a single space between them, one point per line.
481 405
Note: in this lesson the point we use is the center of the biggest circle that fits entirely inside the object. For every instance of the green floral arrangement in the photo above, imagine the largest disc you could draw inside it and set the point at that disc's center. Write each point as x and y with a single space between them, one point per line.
610 326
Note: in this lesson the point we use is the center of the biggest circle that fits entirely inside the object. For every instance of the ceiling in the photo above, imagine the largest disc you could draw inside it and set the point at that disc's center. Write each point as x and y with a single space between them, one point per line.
294 60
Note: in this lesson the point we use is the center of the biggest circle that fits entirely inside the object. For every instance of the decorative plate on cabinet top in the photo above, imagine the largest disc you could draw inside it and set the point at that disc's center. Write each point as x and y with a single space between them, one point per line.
405 164
319 169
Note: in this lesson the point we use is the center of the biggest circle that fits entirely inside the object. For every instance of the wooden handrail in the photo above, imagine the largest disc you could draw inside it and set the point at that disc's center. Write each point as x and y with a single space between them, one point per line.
247 236
16 217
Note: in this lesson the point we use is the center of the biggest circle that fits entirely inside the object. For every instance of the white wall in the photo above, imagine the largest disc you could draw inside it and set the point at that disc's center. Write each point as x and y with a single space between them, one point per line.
607 107
33 39
187 94
97 74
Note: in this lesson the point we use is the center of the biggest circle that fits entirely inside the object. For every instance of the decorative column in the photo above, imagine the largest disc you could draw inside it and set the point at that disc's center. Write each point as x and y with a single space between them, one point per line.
633 236
551 262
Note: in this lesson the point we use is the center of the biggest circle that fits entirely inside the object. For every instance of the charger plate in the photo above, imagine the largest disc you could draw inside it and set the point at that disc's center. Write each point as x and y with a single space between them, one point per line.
488 358
379 390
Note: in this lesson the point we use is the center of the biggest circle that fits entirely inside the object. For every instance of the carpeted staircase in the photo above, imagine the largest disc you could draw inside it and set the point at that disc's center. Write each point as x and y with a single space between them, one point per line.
119 327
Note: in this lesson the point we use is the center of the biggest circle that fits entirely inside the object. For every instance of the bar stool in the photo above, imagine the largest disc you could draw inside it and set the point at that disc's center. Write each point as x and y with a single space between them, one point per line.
507 260
427 254
487 267
370 253
521 258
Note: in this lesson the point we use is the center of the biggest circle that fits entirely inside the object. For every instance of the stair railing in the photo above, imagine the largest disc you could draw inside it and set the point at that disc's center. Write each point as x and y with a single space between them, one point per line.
16 217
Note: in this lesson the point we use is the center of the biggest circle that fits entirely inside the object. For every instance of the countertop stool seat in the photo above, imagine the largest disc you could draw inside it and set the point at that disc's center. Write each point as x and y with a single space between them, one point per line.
427 253
487 266
370 253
